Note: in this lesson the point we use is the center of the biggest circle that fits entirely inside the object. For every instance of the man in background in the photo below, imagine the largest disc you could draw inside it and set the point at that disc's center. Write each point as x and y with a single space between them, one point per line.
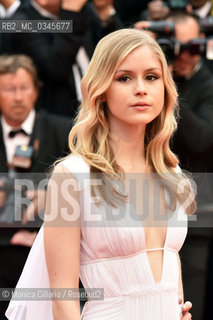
193 144
30 142
56 54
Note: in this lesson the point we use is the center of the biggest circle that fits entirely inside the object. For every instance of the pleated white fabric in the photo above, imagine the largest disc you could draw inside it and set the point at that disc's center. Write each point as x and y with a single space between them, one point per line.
34 275
114 257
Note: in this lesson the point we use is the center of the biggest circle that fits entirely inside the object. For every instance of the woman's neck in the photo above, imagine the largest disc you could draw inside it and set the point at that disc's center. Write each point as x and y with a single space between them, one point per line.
128 148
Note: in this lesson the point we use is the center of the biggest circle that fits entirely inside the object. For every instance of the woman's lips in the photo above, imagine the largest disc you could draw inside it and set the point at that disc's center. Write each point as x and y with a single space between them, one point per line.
141 106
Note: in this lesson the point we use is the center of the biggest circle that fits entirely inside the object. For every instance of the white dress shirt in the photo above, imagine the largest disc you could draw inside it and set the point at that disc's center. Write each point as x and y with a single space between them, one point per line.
204 10
7 13
20 138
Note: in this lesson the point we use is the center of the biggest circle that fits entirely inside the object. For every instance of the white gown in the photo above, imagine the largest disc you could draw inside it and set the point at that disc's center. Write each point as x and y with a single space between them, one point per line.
114 259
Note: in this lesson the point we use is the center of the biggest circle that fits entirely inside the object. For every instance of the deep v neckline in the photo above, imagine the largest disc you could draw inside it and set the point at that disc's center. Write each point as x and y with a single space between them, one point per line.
156 249
145 250
163 248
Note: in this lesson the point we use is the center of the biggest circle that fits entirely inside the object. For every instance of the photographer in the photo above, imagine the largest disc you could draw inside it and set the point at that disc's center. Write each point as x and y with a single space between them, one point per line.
56 54
193 143
194 83
30 141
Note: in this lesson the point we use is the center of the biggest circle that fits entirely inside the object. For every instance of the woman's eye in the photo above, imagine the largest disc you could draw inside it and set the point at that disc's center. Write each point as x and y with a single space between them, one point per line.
152 77
123 78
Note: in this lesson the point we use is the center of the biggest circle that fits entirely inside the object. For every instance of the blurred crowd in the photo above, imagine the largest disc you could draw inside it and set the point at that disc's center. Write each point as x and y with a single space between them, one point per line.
184 30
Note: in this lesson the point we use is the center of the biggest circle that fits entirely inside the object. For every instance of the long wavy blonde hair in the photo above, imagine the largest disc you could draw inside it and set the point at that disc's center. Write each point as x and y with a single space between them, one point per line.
90 136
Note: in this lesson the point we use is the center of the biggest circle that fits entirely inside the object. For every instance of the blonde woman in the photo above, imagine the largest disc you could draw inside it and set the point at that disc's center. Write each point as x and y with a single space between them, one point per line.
121 136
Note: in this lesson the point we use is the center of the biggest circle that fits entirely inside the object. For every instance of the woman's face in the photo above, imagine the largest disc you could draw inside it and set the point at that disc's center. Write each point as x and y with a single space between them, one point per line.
136 94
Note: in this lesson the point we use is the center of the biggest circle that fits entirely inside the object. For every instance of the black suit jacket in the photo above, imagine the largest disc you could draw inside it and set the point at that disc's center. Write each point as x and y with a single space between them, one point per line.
54 54
98 29
52 132
129 11
193 141
5 38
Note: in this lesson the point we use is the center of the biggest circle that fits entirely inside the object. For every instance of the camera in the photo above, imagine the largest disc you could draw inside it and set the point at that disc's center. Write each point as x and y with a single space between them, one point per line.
168 47
11 192
162 27
200 46
207 25
172 48
194 47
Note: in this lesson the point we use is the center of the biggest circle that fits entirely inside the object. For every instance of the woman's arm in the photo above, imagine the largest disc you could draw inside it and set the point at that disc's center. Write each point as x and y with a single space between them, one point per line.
62 242
185 307
180 282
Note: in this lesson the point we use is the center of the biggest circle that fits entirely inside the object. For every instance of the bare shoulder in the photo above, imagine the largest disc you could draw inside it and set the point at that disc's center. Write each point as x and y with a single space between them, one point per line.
62 202
60 168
